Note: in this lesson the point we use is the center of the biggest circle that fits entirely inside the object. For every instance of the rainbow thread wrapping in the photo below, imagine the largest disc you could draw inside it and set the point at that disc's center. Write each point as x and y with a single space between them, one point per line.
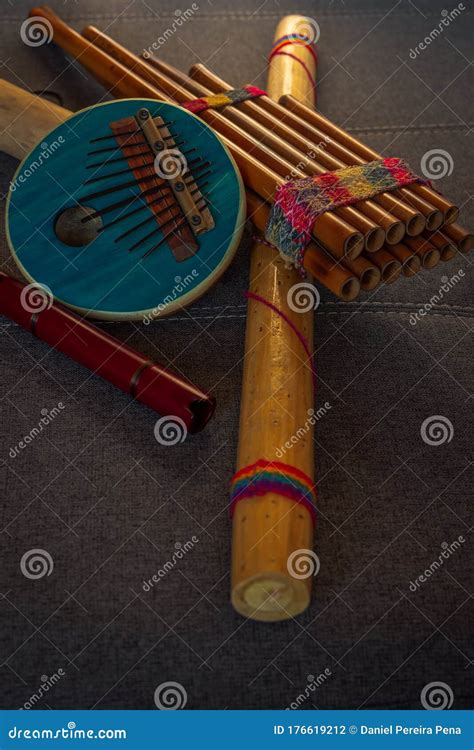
295 39
217 101
273 476
298 203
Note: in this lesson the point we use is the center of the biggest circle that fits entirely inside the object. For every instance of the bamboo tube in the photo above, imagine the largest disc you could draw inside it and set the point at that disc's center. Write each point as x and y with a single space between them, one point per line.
445 245
273 115
331 230
433 216
429 255
318 263
369 275
463 239
448 208
267 530
280 75
389 266
411 263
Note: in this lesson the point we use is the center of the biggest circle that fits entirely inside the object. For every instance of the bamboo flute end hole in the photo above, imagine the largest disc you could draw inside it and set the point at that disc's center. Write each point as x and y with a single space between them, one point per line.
466 243
350 289
431 258
374 240
434 220
391 272
415 225
451 215
271 596
370 279
395 233
411 266
354 245
448 251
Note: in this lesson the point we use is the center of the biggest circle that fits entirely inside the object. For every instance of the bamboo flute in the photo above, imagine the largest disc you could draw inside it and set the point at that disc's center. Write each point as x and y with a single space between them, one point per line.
367 216
330 154
304 114
367 272
276 401
329 229
284 122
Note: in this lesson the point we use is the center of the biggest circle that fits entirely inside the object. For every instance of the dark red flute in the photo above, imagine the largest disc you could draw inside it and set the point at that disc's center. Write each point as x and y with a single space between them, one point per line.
33 308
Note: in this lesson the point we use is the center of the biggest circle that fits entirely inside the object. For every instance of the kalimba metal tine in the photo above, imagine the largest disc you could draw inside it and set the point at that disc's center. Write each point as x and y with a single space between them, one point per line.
126 158
149 218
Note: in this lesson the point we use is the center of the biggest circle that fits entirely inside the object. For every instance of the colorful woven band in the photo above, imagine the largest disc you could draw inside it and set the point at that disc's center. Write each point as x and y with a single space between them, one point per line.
273 476
217 101
298 203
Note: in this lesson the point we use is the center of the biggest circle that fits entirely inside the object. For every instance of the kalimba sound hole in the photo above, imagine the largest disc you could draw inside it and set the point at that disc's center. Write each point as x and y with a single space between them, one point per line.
71 228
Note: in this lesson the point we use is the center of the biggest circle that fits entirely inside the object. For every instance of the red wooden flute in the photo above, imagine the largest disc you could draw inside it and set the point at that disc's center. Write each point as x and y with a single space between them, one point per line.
33 308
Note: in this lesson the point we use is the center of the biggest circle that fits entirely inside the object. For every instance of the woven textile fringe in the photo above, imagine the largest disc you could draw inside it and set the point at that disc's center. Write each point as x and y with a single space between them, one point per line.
298 203
217 101
273 476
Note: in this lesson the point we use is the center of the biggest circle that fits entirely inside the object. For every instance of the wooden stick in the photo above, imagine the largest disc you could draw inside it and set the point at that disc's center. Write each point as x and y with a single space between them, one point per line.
277 394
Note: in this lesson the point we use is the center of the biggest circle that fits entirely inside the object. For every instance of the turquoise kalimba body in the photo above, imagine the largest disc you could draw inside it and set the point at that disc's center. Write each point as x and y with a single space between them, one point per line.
127 209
